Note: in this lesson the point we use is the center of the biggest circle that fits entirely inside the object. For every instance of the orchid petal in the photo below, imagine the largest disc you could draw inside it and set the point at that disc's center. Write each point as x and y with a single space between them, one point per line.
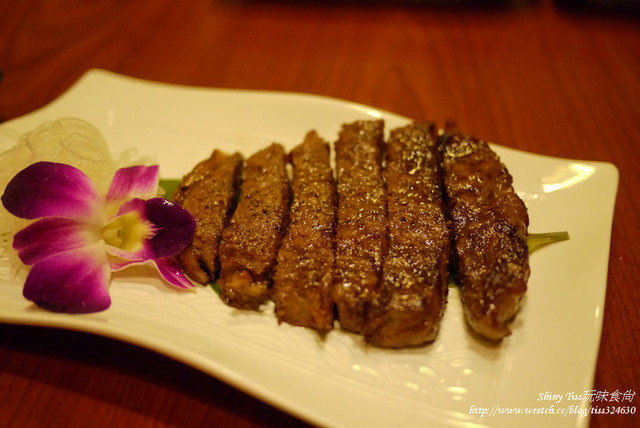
175 227
51 189
128 233
168 268
171 271
118 263
74 281
52 235
132 182
170 228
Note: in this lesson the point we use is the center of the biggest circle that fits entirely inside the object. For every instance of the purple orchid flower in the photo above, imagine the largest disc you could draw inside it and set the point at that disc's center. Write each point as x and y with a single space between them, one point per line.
81 236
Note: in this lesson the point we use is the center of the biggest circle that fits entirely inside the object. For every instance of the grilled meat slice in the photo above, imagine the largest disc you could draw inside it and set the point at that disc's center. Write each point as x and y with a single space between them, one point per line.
251 240
361 235
415 271
302 281
489 227
208 192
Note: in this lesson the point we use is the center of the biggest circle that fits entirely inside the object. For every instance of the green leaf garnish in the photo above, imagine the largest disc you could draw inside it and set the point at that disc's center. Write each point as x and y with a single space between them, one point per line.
169 186
214 285
536 241
452 281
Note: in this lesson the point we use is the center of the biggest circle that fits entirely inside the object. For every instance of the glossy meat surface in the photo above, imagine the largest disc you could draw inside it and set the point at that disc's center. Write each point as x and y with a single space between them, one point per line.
489 226
302 280
250 242
208 192
361 235
413 294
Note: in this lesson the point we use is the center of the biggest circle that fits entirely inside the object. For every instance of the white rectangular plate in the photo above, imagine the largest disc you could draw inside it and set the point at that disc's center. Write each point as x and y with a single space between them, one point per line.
336 380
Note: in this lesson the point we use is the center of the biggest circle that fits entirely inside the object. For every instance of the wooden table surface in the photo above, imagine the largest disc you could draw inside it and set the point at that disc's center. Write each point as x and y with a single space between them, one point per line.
527 75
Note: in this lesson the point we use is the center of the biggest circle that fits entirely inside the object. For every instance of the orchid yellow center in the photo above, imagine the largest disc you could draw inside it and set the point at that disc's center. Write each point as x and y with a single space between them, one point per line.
127 232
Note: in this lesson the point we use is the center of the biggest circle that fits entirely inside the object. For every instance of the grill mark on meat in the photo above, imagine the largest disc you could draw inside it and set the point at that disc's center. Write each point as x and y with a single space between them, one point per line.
251 240
302 280
361 235
489 229
414 281
208 192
